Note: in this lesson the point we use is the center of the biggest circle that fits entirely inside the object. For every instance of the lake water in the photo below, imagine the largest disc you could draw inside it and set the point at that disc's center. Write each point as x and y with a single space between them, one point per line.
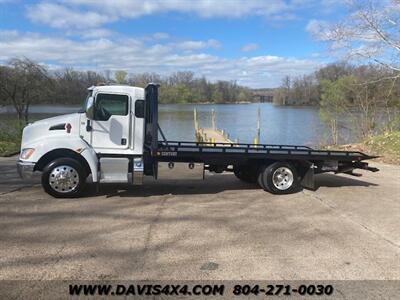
279 125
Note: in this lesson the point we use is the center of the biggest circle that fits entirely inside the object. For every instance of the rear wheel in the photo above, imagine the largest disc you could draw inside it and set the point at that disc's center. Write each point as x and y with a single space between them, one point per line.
279 178
64 178
260 178
246 174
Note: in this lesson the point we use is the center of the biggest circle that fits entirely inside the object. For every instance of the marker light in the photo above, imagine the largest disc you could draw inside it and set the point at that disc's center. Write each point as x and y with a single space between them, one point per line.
68 127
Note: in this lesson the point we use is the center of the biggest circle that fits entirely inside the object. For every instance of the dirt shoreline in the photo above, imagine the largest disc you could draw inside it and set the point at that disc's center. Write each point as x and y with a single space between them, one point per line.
386 158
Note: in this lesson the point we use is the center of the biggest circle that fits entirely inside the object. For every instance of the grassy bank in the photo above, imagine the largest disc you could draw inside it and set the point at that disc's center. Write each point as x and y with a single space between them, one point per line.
9 147
386 145
10 139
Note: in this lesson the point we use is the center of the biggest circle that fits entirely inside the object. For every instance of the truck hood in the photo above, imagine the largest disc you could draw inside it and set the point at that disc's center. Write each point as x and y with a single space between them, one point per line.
47 128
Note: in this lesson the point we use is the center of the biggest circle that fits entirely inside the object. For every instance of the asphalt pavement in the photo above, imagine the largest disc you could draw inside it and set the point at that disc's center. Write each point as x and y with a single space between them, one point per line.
219 228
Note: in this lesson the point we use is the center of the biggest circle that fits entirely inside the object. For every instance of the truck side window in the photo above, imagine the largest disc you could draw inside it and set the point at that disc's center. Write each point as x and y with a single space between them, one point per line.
110 104
139 109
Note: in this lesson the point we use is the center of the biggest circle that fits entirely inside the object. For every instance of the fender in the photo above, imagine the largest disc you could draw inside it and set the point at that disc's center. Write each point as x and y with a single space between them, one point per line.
90 156
76 144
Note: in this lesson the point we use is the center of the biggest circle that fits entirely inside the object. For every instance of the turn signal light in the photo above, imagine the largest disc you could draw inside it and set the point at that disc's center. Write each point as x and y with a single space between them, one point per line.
26 153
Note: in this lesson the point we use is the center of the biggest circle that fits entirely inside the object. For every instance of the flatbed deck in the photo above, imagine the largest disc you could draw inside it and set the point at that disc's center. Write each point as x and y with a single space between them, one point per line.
195 150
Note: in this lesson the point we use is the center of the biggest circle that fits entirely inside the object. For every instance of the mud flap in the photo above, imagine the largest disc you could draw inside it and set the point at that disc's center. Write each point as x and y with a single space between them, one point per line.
308 179
364 166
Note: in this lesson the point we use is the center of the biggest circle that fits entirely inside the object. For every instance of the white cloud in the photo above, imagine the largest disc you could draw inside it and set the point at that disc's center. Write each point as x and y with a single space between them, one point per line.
318 29
250 47
8 34
333 3
196 45
136 56
160 35
90 13
60 16
93 33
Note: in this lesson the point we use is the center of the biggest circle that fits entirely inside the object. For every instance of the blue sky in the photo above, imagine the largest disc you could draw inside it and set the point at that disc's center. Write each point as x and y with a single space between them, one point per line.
255 42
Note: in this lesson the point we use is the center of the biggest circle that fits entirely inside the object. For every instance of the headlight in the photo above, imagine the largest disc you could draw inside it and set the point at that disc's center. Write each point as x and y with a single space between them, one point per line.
26 153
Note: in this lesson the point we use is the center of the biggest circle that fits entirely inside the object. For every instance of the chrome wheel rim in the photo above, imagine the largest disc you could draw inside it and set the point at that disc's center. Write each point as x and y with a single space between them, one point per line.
282 178
64 179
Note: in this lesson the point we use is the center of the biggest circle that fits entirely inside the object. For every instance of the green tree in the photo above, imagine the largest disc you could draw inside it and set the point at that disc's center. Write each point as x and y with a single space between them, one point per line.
334 103
244 96
120 76
184 95
217 96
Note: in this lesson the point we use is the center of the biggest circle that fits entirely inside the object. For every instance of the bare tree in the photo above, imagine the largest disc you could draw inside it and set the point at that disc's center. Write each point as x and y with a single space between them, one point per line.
371 31
181 77
282 94
22 83
143 79
107 75
71 85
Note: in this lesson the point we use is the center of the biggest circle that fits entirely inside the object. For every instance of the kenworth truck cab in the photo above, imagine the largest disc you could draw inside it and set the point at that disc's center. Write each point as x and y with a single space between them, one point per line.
115 140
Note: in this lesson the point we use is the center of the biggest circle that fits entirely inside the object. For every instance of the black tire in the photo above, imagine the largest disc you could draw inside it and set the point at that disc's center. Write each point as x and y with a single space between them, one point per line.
246 174
290 180
69 164
260 178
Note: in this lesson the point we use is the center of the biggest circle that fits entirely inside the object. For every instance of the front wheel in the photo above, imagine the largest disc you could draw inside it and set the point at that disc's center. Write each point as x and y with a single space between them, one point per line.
64 178
279 178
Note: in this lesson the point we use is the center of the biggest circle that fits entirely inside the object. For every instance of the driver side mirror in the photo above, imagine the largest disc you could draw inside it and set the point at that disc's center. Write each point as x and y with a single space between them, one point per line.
90 108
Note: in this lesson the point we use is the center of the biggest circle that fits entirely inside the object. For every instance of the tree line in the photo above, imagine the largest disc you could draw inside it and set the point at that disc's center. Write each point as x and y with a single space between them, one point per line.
308 89
24 82
368 95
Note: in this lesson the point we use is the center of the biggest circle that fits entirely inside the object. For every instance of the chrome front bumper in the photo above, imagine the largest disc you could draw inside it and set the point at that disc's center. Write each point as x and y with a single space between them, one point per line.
25 169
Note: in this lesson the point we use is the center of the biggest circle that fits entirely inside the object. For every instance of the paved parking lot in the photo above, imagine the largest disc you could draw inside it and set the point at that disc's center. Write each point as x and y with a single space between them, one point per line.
220 228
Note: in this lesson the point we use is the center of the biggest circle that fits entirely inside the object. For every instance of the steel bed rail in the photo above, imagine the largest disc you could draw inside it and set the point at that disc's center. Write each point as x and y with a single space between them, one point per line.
240 145
265 149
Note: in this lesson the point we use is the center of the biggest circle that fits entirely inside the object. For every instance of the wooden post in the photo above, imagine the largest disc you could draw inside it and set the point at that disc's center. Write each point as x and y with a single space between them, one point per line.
196 124
257 138
213 119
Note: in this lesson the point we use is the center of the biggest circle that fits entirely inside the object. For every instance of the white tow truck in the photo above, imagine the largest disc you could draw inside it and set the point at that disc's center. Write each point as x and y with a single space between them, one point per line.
115 140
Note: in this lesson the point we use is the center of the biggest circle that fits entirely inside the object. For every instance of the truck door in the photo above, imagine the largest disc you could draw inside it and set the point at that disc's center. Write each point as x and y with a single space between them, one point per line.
111 122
